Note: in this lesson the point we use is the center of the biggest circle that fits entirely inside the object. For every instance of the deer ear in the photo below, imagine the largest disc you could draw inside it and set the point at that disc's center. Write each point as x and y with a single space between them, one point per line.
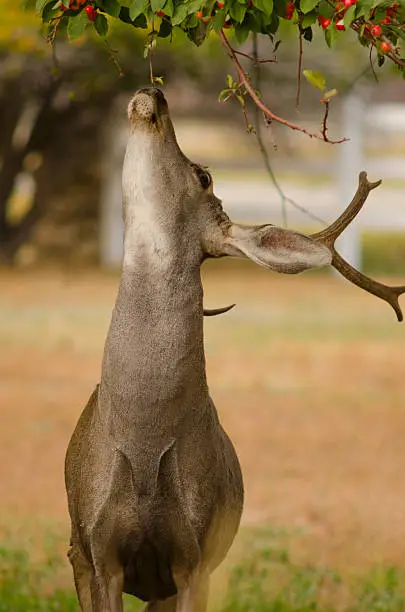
276 248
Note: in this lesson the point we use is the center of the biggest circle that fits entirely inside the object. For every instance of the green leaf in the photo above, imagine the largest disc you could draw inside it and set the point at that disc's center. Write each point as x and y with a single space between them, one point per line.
308 20
198 34
192 21
165 29
157 5
266 6
101 25
40 5
137 8
329 94
331 35
307 6
76 25
49 12
363 8
229 81
194 6
400 33
112 7
241 32
273 25
219 20
169 8
180 13
349 16
238 12
325 9
315 78
380 60
280 8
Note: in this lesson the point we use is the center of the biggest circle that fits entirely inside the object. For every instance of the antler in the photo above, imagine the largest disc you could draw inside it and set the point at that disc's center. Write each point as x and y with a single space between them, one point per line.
329 235
208 312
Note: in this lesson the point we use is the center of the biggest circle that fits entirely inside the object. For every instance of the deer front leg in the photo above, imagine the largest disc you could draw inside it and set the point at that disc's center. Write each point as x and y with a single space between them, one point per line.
194 597
168 605
82 572
106 590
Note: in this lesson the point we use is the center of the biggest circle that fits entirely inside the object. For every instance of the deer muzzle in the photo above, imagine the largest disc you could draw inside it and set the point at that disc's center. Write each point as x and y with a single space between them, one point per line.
147 106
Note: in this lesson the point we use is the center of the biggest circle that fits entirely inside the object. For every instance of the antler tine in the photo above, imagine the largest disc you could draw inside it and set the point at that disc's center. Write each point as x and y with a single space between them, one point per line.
385 292
213 312
329 235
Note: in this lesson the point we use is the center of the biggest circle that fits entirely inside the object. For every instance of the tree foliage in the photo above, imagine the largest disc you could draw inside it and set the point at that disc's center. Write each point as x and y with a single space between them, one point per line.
378 23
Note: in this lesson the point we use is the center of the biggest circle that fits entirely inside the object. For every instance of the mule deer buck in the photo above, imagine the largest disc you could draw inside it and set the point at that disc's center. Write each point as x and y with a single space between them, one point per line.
154 485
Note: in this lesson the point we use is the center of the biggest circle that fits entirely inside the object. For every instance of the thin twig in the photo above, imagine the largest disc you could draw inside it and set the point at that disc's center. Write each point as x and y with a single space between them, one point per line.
297 99
325 119
256 61
265 155
357 78
113 57
248 126
371 64
54 25
152 78
55 61
255 98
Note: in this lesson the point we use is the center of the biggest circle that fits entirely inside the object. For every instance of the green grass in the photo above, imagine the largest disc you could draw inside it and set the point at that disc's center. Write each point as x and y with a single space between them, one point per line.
25 587
268 580
265 580
384 252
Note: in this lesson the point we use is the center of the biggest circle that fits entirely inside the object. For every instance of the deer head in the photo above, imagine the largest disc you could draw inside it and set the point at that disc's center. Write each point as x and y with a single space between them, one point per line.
164 190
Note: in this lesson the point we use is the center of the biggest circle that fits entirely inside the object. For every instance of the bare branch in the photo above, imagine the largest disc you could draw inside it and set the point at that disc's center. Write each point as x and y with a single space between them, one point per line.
256 60
297 99
152 78
265 155
255 98
370 59
325 120
113 57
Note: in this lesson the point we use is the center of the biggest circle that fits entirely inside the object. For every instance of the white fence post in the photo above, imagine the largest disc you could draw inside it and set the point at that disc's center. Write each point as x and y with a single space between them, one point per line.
349 165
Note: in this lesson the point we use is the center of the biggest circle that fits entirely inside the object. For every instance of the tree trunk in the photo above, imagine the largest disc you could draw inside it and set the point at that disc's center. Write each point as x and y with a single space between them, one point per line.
13 156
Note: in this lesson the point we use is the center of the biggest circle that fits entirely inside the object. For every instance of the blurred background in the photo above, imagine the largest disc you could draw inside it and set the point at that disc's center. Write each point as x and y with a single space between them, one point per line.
307 372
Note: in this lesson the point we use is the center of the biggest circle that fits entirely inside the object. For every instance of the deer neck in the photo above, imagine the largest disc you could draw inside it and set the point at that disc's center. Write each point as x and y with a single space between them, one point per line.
154 354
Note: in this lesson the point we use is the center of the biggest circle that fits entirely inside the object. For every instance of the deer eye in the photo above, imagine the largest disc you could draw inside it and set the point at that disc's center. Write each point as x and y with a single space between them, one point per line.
205 178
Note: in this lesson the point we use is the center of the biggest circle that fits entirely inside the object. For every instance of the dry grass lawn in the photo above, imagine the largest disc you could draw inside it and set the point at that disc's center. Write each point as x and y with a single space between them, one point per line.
308 374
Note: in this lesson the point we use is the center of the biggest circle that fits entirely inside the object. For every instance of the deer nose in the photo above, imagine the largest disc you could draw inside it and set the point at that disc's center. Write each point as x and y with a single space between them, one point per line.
152 91
146 103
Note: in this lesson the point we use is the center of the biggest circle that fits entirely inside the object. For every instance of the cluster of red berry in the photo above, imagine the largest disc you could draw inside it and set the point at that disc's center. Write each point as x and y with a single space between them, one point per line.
373 31
220 5
289 10
75 5
340 9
